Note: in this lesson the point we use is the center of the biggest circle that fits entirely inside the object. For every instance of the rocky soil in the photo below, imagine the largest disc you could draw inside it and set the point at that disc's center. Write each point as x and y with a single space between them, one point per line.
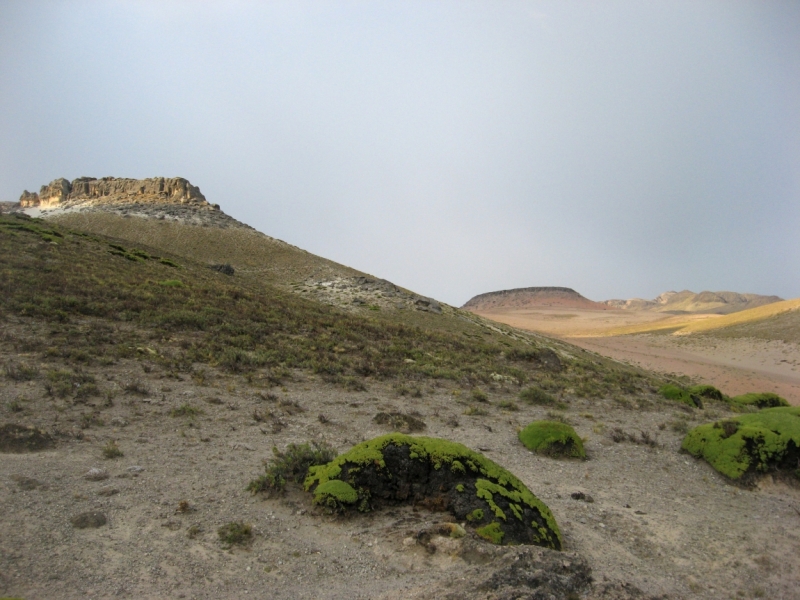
640 519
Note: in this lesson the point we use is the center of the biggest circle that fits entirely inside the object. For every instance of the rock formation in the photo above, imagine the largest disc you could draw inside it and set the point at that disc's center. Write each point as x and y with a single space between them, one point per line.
62 193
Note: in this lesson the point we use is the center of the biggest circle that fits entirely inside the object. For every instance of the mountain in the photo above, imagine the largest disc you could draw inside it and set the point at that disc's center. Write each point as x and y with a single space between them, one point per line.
531 297
720 303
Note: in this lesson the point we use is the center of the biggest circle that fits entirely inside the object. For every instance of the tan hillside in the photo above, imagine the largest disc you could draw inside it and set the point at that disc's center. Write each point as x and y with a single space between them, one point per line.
682 325
721 303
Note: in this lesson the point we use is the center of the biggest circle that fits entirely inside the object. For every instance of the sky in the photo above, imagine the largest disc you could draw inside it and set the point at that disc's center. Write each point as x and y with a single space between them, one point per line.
454 148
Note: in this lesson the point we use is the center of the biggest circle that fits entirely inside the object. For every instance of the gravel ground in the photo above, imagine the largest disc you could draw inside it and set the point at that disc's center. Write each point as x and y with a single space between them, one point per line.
660 523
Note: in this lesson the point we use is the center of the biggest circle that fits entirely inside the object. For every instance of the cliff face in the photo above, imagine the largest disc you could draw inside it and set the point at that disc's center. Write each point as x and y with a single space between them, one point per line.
62 192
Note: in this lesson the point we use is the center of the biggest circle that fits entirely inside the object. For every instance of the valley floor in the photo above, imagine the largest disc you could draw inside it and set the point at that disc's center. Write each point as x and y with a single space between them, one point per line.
660 523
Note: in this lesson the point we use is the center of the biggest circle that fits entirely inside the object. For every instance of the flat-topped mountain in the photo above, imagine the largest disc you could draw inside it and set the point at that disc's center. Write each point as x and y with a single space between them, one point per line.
532 297
721 303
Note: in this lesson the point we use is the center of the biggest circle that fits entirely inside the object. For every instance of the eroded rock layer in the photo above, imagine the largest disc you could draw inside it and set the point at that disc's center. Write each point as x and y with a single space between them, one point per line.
62 193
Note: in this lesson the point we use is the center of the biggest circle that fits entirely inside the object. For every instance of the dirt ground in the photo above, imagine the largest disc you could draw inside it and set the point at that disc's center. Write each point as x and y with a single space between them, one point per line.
660 523
734 365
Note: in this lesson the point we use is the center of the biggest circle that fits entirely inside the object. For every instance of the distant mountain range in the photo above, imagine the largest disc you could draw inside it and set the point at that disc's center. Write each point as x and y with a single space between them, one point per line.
720 303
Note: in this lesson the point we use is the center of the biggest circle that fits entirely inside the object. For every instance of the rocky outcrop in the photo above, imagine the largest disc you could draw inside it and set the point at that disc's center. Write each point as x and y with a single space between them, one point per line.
530 297
111 190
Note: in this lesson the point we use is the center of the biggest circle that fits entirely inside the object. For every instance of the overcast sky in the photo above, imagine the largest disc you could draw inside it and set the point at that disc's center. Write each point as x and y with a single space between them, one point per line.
454 148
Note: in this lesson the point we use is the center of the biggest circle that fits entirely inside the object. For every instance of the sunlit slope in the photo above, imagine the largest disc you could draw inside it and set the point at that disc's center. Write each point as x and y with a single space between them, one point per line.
682 325
247 250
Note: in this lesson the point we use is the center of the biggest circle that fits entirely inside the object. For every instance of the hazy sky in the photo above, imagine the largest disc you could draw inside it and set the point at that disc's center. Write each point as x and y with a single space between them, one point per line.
454 148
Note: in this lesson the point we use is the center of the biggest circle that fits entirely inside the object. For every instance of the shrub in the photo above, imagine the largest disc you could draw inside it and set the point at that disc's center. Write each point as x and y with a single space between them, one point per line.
185 410
741 447
20 372
535 395
479 395
235 532
171 283
291 466
111 450
763 400
552 438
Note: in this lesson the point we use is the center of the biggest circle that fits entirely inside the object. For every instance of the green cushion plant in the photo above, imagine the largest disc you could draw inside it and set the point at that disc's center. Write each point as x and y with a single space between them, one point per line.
552 438
441 475
762 400
742 447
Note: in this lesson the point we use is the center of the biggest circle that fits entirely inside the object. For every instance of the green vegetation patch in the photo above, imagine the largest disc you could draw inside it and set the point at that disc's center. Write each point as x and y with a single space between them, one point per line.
759 400
677 393
706 391
438 474
235 532
552 438
292 466
745 446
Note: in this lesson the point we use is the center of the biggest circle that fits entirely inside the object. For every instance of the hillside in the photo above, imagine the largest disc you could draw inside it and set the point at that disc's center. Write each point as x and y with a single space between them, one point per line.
776 320
531 297
720 303
159 363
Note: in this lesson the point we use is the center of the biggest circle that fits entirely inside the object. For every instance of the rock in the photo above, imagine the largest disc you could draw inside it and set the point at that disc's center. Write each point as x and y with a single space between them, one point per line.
89 520
224 269
61 192
427 304
399 421
95 474
108 491
21 438
119 422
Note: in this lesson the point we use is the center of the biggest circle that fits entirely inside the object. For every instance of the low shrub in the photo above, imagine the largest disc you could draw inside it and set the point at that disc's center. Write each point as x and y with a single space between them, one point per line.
535 395
235 532
742 447
552 438
291 466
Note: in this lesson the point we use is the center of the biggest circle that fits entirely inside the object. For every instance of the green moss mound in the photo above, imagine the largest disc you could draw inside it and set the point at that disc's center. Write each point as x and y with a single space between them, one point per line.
440 475
552 438
706 391
674 392
742 447
762 400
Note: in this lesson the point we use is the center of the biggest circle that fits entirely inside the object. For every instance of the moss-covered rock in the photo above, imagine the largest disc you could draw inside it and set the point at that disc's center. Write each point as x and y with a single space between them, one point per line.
552 438
440 475
744 446
762 400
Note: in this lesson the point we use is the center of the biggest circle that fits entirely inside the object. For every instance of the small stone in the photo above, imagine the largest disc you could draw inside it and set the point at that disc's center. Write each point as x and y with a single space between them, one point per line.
95 474
135 469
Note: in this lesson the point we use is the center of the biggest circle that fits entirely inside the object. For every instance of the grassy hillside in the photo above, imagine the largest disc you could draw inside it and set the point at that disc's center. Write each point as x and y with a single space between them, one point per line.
88 299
